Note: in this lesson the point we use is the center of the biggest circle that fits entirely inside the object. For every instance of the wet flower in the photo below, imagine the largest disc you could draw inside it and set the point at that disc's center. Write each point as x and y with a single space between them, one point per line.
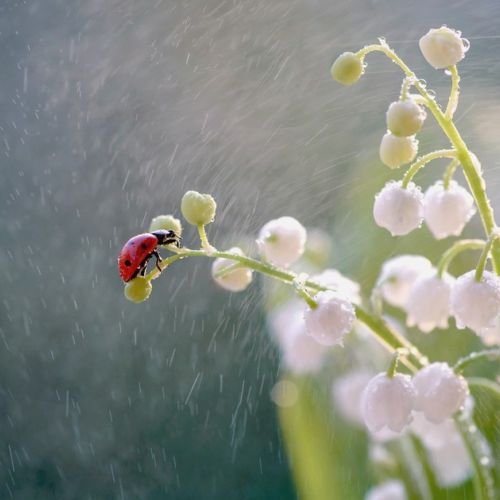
236 280
347 68
474 304
443 47
491 336
331 319
167 222
446 211
398 276
440 392
333 279
138 290
428 304
347 394
282 241
197 208
388 402
405 118
301 353
390 490
396 151
397 209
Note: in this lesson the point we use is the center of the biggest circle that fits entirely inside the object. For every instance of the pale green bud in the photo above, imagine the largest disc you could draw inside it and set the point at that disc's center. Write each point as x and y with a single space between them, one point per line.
138 290
198 209
396 151
347 68
405 118
167 222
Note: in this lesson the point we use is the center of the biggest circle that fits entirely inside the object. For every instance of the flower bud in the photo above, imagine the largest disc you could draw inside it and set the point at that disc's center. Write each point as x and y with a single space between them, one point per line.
476 304
347 68
446 211
443 47
331 319
396 151
167 222
389 490
198 209
440 392
388 402
397 209
428 304
236 280
282 241
405 118
398 276
138 290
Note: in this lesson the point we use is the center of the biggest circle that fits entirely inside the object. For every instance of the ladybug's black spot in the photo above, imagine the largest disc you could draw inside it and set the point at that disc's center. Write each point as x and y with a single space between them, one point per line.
128 263
144 246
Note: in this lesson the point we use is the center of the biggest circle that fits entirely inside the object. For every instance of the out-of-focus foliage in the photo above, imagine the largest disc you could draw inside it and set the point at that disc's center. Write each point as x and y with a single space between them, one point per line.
110 112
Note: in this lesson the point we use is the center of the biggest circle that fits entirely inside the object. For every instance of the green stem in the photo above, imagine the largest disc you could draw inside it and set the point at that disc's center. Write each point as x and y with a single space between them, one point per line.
464 156
448 174
405 88
483 383
391 371
454 93
298 284
423 160
456 249
204 239
388 337
489 354
481 263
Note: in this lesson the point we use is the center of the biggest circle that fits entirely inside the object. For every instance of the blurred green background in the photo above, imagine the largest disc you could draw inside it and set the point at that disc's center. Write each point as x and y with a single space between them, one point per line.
110 111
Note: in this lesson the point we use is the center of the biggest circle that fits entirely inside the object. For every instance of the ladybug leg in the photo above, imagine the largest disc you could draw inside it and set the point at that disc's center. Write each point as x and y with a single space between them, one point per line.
158 259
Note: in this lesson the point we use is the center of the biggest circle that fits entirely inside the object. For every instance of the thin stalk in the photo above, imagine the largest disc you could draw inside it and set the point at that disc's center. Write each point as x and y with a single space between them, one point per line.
454 93
481 263
471 170
456 249
448 174
423 160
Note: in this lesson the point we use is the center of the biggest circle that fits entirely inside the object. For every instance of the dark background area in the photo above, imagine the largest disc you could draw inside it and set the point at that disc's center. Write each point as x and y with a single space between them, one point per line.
109 112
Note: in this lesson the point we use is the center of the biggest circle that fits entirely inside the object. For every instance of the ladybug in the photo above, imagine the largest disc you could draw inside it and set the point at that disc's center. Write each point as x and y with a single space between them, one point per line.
135 254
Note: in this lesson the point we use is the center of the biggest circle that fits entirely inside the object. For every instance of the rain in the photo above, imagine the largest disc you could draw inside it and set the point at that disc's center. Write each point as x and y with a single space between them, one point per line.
110 112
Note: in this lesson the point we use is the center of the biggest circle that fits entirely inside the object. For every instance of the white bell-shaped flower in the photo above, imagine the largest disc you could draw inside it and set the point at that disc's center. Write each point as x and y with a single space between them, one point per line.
301 353
388 402
398 276
331 319
237 279
443 47
440 392
347 394
428 304
446 211
476 304
389 490
397 209
282 241
331 278
396 151
405 118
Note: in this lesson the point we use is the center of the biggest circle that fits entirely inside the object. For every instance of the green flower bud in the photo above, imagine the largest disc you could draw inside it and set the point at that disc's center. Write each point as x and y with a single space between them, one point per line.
347 68
396 151
138 290
405 118
198 209
167 222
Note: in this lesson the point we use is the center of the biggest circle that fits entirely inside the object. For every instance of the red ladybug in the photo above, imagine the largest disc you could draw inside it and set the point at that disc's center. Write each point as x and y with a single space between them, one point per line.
135 254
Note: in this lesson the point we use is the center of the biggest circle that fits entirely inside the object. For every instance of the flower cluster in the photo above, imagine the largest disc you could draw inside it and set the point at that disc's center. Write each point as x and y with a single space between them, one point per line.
411 395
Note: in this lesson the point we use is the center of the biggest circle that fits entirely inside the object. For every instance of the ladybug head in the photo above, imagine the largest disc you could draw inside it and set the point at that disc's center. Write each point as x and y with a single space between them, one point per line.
166 237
